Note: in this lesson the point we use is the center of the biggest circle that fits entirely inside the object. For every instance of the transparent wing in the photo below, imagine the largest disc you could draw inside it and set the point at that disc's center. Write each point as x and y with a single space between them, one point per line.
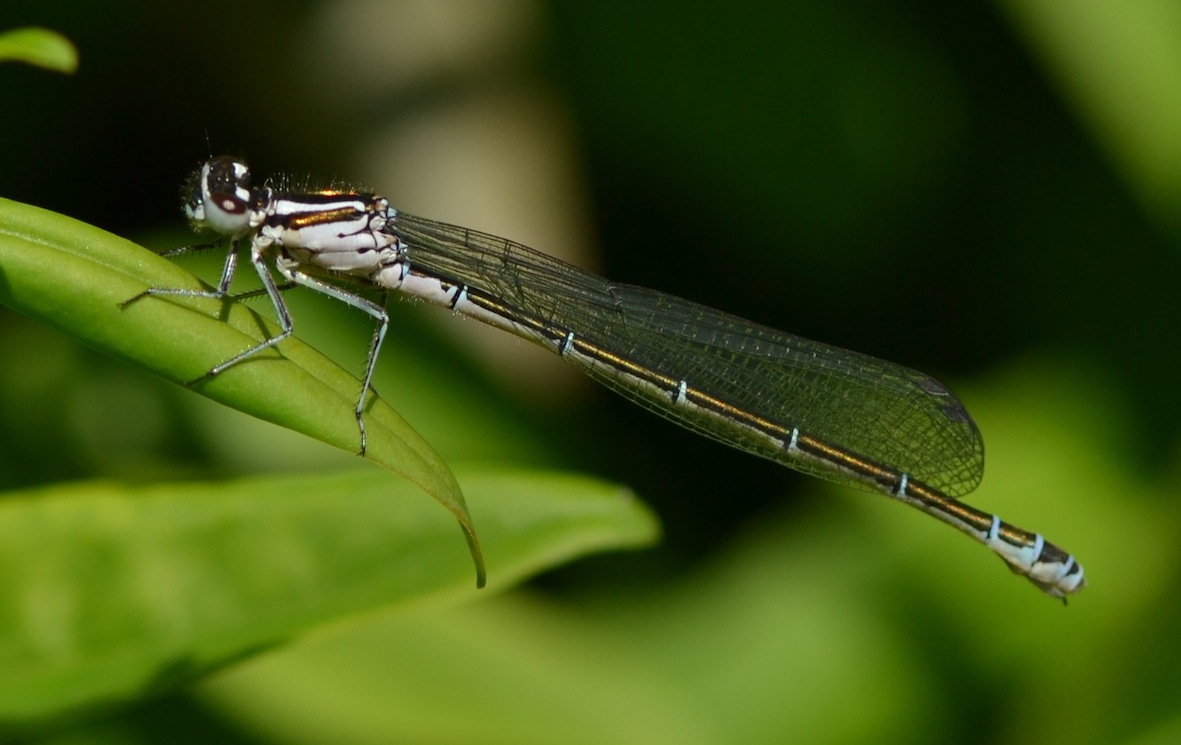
886 413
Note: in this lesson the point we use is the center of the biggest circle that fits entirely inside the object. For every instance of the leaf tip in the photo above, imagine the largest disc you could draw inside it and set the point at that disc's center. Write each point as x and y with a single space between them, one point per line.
473 545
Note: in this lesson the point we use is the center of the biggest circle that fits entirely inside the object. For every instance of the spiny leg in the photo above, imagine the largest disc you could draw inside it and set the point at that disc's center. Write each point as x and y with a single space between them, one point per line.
227 276
374 310
284 316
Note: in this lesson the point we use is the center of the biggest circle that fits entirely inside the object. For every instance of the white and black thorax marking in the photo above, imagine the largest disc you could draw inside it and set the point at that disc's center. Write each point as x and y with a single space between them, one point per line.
338 232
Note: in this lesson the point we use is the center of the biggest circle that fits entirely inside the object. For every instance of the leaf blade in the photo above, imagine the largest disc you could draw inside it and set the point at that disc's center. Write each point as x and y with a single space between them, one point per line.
108 592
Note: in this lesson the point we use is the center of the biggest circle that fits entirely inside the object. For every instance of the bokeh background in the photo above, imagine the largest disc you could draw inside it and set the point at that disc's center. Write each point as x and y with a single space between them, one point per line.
989 193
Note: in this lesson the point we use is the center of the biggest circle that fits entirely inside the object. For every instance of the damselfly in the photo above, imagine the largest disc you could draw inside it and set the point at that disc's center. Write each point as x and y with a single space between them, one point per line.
831 413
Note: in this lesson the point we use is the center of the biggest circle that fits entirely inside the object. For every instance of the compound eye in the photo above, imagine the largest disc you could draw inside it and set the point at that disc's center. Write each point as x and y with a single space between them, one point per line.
221 197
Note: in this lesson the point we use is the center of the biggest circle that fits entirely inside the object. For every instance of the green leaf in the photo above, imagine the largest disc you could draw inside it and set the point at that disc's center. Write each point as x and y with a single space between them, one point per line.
40 47
73 276
108 592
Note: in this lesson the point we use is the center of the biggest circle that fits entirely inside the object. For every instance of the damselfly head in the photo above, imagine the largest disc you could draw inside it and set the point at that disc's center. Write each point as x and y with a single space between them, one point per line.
218 197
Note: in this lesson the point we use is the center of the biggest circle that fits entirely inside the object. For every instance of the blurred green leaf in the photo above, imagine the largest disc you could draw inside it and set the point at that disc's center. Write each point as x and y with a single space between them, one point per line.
73 276
108 592
40 47
1121 64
